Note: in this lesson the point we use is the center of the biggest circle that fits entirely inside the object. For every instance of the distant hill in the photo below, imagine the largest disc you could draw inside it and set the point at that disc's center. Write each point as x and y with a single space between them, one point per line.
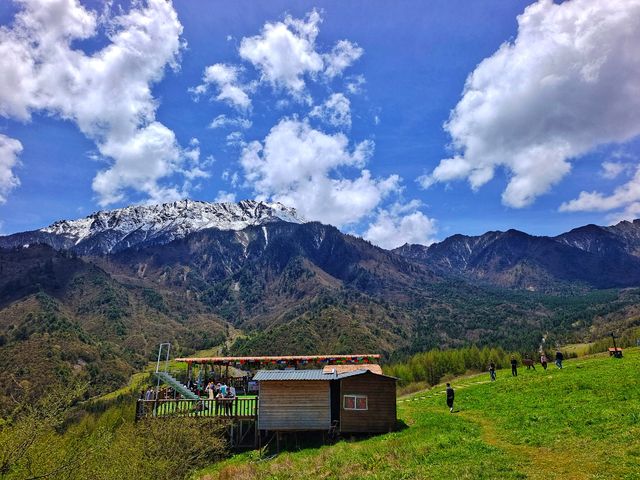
64 317
586 257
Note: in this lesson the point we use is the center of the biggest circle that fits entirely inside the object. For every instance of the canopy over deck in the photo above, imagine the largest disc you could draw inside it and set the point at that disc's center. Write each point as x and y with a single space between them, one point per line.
284 360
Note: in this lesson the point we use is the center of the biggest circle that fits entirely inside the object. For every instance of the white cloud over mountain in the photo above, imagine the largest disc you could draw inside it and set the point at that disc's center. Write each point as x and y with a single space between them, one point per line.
10 148
106 94
400 224
304 168
567 83
625 197
322 175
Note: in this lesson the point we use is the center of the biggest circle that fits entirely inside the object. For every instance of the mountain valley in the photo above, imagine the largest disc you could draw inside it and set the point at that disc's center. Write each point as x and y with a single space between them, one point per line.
94 302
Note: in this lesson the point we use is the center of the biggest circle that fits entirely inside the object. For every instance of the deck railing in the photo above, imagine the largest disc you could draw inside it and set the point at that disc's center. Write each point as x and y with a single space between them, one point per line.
239 408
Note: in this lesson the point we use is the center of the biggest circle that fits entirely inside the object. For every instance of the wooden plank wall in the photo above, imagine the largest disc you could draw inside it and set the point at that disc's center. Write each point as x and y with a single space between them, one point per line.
294 405
381 394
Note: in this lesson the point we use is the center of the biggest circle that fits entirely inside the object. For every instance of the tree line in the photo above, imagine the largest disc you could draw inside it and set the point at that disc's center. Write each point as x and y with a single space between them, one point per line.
434 365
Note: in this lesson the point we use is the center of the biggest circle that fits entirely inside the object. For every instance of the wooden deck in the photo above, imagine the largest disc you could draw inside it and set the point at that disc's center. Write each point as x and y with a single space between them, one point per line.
242 408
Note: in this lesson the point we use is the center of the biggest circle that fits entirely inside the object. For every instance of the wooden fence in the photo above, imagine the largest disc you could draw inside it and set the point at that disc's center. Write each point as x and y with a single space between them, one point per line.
237 408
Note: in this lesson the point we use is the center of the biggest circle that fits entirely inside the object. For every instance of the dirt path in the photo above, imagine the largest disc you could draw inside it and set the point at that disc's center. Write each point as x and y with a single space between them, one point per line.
543 462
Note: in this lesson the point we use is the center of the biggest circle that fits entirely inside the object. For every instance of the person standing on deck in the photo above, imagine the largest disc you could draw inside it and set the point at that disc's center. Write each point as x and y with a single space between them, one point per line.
450 396
219 403
211 390
514 366
149 395
559 359
230 399
492 371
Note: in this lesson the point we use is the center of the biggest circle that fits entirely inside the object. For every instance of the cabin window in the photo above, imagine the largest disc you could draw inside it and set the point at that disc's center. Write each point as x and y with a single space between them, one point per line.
355 402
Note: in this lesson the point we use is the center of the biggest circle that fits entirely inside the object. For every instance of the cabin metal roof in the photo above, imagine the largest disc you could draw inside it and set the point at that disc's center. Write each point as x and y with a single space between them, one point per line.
266 375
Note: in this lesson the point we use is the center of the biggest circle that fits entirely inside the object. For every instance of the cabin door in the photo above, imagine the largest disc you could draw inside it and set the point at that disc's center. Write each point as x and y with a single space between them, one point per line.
335 400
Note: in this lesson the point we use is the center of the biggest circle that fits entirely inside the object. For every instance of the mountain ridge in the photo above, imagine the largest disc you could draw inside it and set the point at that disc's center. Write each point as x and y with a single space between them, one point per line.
592 256
110 231
95 305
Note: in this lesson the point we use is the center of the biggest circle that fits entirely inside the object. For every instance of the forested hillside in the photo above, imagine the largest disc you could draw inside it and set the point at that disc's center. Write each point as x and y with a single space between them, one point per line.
269 287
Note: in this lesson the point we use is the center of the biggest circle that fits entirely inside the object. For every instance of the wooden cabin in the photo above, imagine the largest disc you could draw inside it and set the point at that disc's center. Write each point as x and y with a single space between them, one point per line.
354 400
367 402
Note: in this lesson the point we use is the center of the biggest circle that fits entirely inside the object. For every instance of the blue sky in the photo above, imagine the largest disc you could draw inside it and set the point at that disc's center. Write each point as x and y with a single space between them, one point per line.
348 125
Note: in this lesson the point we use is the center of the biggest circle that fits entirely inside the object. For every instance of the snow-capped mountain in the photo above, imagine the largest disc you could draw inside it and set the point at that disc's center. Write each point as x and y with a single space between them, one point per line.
115 230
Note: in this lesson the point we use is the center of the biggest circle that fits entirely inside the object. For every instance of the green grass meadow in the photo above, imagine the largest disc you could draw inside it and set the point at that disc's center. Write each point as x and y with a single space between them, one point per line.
582 422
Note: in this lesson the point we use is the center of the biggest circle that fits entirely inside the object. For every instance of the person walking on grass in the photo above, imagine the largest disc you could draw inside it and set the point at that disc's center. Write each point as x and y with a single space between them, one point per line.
450 396
543 360
559 359
492 371
514 366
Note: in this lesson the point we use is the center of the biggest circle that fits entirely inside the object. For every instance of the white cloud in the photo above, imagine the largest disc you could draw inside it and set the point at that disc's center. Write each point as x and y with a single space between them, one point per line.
611 170
232 177
305 168
107 94
285 53
193 153
225 197
222 121
193 167
566 84
624 196
355 84
235 139
225 79
400 224
336 111
342 56
10 148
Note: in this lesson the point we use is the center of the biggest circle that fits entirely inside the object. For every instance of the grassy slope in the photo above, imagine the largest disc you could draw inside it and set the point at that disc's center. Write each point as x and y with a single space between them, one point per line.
581 422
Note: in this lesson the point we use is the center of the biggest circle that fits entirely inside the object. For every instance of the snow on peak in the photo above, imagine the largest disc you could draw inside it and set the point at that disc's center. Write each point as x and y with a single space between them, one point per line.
171 220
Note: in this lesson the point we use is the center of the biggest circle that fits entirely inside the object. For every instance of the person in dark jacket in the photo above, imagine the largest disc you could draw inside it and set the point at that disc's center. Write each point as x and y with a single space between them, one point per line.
514 366
450 396
492 371
559 359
